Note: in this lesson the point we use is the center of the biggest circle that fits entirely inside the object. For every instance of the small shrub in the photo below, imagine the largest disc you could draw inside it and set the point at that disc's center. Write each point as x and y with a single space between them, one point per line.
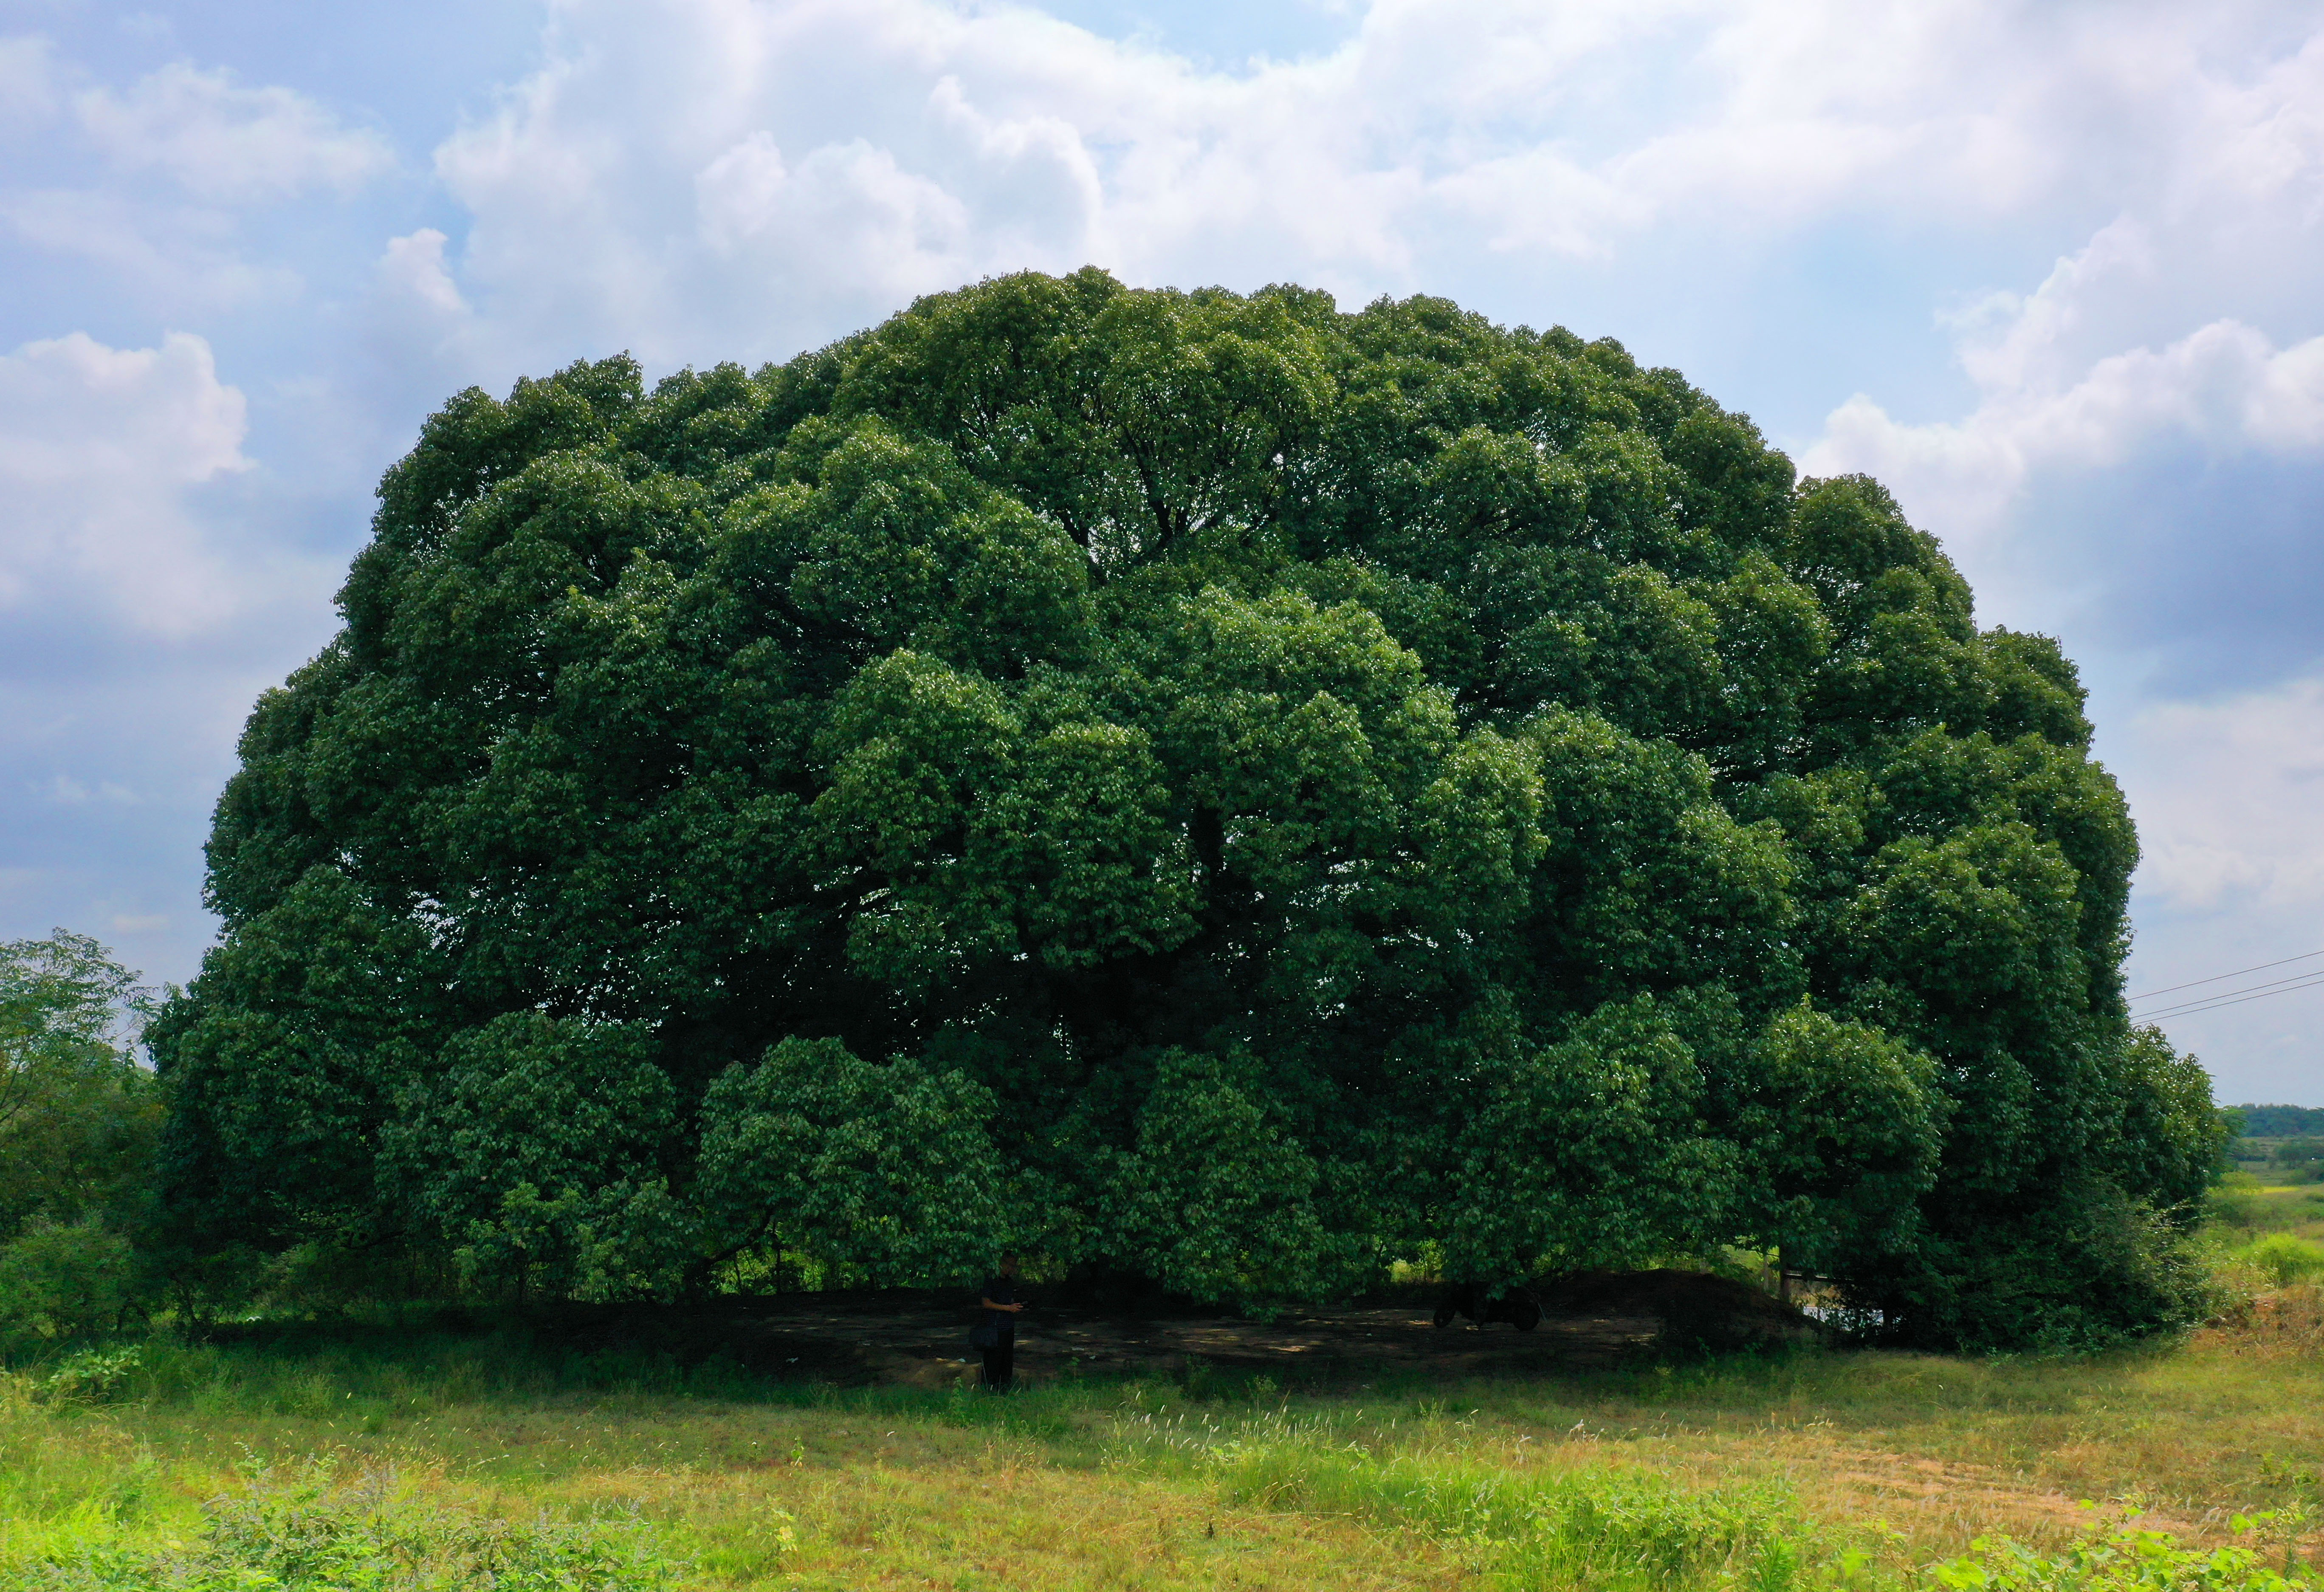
2286 1259
2232 1210
90 1376
65 1279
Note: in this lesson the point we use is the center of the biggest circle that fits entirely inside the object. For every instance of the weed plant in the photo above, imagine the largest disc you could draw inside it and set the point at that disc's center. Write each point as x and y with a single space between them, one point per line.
306 1532
2121 1557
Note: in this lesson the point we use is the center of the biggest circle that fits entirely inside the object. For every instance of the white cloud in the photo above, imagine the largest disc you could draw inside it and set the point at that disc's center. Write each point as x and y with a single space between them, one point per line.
219 146
2261 140
2043 403
896 230
420 337
413 270
99 449
227 144
69 791
2225 386
680 169
27 88
180 254
2249 842
2185 323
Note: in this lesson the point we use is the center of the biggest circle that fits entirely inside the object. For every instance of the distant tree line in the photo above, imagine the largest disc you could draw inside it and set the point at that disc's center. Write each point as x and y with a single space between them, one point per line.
1210 785
2274 1122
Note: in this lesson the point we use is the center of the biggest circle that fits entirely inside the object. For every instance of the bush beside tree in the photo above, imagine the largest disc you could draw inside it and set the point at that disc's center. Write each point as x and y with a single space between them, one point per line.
78 1118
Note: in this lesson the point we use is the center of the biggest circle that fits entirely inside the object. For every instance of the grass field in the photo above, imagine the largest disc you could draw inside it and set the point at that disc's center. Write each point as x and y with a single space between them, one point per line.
1818 1467
2252 1203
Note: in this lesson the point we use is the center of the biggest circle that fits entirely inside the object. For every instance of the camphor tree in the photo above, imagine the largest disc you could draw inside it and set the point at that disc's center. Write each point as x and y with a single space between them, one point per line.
1211 784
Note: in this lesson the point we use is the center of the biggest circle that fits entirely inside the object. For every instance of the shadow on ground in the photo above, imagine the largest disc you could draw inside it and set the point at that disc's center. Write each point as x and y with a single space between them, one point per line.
919 1336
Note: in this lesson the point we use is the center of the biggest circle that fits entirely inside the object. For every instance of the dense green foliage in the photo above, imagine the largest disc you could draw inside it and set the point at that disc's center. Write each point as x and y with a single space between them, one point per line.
78 1121
1235 790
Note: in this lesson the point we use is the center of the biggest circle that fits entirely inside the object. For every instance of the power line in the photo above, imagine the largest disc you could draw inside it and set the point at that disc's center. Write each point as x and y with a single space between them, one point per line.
2213 1005
2239 1000
2238 973
2273 987
2247 989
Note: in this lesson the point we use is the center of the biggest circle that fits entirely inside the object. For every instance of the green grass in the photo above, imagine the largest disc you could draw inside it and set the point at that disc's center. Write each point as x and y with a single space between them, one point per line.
2270 1228
1597 1528
2256 1201
423 1458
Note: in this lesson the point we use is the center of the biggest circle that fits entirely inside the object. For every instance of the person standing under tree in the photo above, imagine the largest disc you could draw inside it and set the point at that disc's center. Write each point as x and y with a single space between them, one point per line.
999 1337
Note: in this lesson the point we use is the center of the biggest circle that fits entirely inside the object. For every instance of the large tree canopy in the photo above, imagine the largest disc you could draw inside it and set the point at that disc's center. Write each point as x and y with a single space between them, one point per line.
1239 790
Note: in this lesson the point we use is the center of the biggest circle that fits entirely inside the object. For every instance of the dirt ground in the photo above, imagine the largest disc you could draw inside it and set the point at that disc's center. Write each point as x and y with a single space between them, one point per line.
920 1337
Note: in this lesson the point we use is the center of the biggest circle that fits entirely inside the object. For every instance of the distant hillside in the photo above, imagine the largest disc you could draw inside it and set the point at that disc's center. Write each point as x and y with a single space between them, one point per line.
2279 1121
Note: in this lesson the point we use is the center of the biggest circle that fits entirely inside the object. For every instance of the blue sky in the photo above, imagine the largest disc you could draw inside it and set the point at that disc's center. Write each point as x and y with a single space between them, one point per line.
2049 270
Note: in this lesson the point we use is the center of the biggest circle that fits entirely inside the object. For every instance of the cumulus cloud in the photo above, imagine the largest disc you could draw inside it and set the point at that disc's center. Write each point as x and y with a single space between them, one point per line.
2043 403
99 449
903 229
2225 386
224 142
840 156
2249 842
147 594
2186 323
420 341
414 272
154 183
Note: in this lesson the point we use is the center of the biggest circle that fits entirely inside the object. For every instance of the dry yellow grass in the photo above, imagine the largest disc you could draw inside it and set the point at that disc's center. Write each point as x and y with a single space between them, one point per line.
1942 1449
